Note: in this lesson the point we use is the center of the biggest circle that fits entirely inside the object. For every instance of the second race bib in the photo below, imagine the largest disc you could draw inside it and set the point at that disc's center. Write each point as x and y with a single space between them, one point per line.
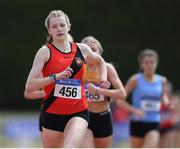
150 105
93 97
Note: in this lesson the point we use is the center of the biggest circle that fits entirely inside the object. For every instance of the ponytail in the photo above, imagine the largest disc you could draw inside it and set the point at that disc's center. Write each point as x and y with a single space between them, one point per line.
49 39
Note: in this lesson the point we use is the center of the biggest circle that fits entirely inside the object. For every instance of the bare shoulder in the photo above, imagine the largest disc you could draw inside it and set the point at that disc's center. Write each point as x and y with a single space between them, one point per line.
85 49
112 74
164 79
111 70
110 66
82 45
43 50
133 78
43 53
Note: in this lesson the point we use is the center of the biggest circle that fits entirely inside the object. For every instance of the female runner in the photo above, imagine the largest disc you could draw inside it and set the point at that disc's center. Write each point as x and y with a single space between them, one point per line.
40 94
99 133
148 90
64 114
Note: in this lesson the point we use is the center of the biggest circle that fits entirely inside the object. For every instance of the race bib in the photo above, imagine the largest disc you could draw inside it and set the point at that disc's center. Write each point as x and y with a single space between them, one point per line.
150 105
70 89
93 97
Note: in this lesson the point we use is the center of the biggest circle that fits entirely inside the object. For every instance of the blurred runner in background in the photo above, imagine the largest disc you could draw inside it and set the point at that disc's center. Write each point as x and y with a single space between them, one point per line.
169 120
148 92
177 105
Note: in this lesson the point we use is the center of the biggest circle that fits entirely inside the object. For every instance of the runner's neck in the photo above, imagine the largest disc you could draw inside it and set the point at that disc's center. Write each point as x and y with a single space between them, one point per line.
62 46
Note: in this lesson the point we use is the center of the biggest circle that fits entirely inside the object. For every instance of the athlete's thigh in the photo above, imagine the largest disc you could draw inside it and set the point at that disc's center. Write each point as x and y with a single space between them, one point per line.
74 132
103 142
42 138
177 140
88 140
136 142
151 139
169 139
52 138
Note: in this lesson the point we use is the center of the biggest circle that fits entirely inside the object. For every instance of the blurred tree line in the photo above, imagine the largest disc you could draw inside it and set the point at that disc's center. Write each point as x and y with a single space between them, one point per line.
124 28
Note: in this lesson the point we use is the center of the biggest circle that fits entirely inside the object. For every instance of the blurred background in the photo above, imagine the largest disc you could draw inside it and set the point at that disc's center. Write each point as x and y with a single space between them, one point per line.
123 27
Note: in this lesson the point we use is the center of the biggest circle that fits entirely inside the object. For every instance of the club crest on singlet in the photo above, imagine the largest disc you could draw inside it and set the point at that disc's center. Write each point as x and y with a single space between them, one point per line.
79 61
70 89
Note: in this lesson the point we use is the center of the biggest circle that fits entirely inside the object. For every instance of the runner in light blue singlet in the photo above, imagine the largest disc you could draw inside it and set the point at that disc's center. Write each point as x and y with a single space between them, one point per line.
147 97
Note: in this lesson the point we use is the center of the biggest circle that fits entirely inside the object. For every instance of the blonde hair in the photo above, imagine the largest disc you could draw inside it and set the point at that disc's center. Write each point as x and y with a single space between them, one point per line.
148 52
70 38
90 39
55 13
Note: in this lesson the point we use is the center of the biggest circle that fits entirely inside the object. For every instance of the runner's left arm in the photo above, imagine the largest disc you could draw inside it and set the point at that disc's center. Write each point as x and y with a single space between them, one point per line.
118 92
165 99
93 58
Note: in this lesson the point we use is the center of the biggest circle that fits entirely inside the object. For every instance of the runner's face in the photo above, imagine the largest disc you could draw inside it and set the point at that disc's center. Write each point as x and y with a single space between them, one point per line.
58 28
93 47
149 65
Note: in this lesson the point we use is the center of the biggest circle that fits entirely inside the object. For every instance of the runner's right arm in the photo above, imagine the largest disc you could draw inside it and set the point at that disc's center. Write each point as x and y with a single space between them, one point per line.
35 95
128 108
129 87
34 83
